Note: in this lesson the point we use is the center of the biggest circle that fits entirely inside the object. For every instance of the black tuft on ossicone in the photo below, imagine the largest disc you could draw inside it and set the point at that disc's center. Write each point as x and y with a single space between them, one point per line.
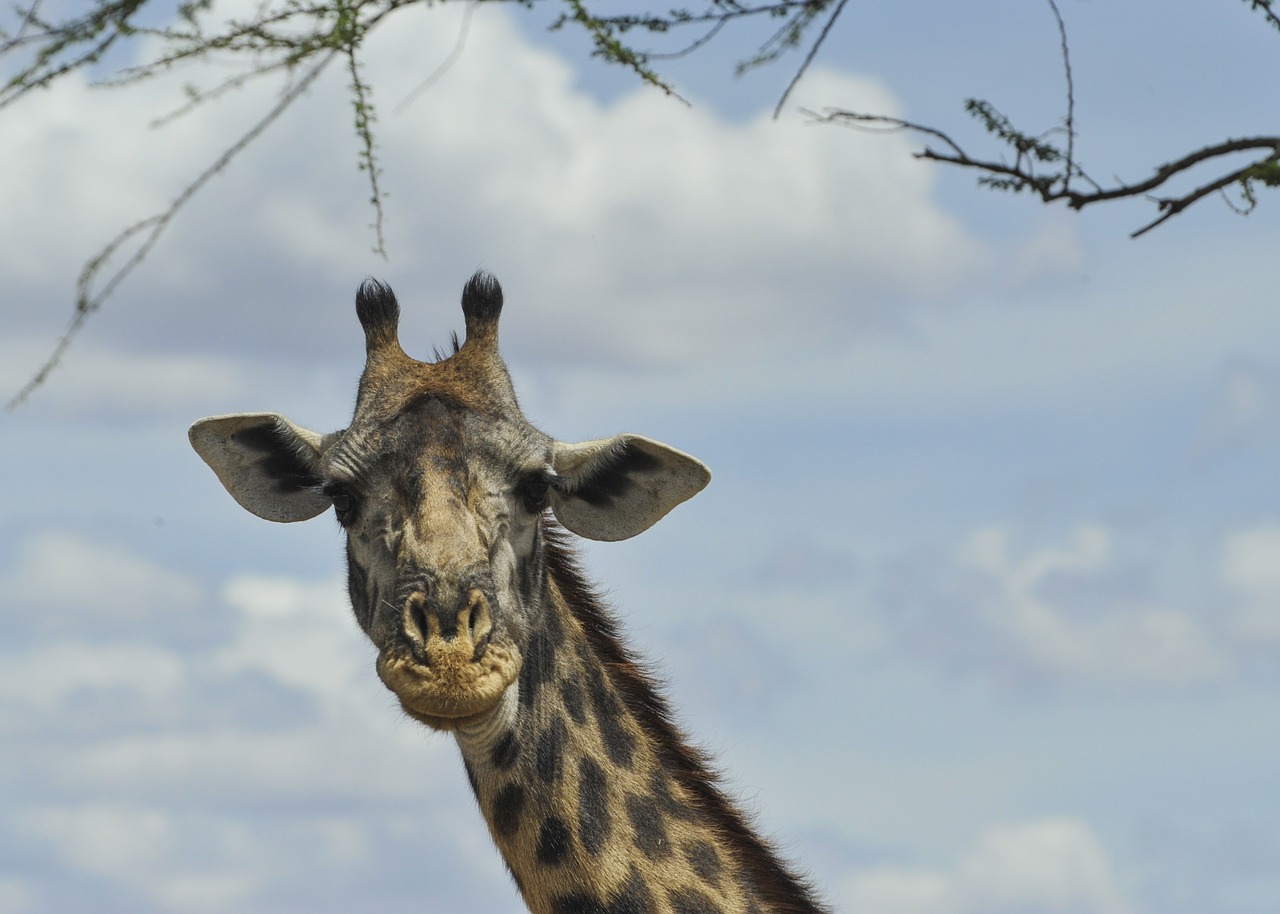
482 297
377 309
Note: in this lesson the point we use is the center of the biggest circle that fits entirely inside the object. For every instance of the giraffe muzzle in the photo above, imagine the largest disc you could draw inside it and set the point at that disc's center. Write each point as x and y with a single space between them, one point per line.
454 665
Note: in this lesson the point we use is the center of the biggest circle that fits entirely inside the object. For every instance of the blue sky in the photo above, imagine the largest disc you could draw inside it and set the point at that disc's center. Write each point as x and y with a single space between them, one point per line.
981 611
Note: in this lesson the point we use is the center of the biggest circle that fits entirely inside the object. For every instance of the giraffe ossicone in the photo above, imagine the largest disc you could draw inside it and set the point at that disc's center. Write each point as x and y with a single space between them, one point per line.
460 572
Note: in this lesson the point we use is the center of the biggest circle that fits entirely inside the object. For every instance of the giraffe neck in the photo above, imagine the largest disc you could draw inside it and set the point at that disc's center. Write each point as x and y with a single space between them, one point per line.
593 797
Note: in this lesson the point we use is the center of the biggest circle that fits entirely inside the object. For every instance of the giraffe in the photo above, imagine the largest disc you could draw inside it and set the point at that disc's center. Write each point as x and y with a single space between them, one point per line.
457 513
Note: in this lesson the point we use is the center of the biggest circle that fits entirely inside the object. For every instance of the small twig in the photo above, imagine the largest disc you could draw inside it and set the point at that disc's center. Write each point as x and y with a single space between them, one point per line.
364 118
813 52
28 18
878 123
198 98
690 48
609 48
1070 122
445 66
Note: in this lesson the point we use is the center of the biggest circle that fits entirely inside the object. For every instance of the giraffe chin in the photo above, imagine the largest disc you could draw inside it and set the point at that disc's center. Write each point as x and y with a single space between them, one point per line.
451 690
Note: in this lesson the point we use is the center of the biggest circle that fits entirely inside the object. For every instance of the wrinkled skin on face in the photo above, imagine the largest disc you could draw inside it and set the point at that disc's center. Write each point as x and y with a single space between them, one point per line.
441 509
441 485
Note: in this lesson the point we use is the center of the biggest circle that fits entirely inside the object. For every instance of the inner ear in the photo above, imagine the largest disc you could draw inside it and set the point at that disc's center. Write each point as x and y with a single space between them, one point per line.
617 487
611 474
268 464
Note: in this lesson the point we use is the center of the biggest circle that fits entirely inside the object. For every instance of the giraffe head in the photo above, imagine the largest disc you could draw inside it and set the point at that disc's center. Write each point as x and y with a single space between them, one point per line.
440 484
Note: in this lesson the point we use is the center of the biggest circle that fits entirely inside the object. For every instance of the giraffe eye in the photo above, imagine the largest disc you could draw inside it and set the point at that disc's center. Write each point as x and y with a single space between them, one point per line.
344 504
533 492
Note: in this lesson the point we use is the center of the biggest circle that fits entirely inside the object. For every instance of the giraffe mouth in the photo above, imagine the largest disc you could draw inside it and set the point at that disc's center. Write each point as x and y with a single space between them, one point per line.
453 687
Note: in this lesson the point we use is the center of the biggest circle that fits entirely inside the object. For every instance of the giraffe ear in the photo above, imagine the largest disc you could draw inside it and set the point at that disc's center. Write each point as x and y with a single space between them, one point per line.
617 487
268 464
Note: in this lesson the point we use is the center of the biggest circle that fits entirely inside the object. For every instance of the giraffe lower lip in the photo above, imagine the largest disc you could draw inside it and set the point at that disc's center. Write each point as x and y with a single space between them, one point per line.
453 687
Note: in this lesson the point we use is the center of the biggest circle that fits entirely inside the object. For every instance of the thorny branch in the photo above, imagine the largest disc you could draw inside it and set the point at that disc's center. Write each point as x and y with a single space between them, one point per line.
1069 122
1052 187
1032 153
1264 6
608 32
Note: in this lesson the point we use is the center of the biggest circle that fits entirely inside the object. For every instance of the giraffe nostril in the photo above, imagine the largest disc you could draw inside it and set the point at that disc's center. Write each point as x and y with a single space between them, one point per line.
481 646
479 622
416 625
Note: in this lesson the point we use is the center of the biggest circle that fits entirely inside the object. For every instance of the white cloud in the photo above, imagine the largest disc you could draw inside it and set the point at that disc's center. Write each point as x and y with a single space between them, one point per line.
1244 406
1127 641
208 809
102 378
290 681
73 580
1053 251
193 862
17 896
1048 866
46 676
636 231
177 715
1078 613
1250 568
637 234
248 861
69 147
1051 864
644 230
1139 643
1104 343
299 633
105 838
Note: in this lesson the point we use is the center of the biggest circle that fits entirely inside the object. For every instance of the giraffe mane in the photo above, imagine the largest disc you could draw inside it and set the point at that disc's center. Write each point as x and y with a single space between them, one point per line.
782 889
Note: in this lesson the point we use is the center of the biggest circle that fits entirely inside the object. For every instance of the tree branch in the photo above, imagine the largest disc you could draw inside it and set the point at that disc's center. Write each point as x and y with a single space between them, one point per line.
1053 187
606 32
813 52
1268 13
1069 122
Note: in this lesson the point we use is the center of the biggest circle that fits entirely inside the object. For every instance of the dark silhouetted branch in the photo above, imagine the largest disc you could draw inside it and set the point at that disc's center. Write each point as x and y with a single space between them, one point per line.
1054 186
